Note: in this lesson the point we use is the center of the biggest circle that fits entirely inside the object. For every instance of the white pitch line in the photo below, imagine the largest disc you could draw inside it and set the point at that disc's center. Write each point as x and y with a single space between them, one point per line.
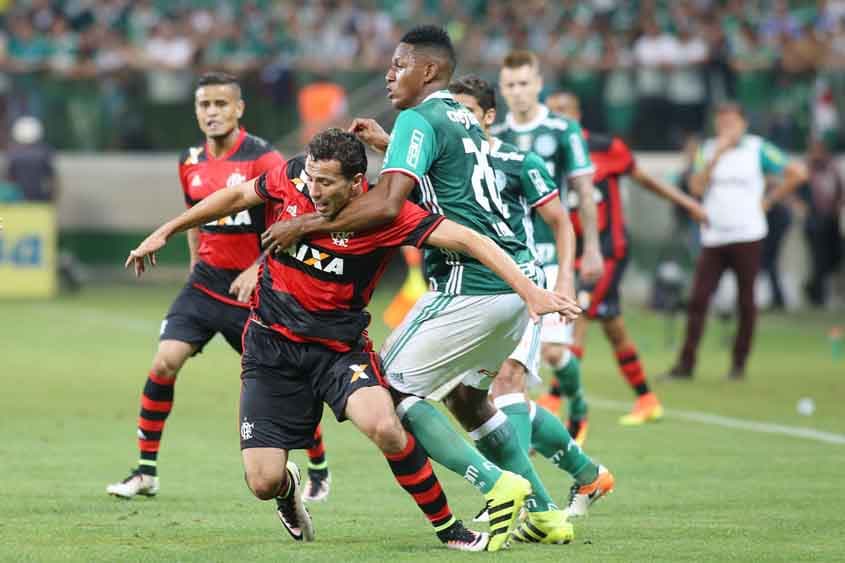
728 422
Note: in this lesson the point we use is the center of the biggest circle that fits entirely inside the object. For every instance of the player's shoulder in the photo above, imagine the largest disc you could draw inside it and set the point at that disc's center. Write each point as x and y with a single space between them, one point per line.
602 142
295 171
560 123
499 128
252 148
507 152
192 155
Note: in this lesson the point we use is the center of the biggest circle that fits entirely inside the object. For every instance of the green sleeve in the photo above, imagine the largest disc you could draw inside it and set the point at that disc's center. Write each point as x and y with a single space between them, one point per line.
537 184
576 155
772 159
412 145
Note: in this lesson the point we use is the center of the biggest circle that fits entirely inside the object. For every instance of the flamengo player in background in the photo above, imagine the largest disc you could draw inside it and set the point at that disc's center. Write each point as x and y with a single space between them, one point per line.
558 140
306 340
224 266
527 186
613 159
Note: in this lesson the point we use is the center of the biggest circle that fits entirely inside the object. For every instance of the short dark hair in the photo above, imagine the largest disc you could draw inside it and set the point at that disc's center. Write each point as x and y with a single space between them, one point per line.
434 38
337 144
478 88
219 79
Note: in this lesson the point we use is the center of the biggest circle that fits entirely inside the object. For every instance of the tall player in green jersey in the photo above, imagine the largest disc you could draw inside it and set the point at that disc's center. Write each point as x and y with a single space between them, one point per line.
526 186
559 141
453 341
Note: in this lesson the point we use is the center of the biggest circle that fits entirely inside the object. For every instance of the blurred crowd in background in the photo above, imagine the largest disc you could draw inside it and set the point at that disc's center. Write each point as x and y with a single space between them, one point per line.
108 74
93 68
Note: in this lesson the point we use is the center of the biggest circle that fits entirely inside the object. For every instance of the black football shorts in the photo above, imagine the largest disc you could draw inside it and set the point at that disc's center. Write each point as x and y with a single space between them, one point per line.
284 385
195 317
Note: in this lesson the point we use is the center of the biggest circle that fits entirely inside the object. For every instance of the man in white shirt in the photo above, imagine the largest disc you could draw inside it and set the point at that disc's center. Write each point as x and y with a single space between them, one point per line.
729 175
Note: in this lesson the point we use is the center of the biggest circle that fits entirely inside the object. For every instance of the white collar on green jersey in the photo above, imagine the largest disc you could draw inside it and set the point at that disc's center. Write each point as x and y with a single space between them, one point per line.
542 115
439 95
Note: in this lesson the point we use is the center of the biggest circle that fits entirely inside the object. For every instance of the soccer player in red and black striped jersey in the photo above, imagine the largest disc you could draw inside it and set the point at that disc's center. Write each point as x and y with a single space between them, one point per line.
224 266
601 300
306 340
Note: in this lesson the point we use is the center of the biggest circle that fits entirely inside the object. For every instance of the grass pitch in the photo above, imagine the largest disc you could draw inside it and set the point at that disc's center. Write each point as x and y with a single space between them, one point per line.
72 372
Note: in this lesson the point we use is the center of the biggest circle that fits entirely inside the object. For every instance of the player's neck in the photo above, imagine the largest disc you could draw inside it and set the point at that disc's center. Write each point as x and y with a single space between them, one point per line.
430 89
218 146
528 116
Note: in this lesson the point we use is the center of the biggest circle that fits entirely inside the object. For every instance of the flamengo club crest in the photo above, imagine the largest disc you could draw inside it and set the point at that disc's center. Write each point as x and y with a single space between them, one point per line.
234 179
341 238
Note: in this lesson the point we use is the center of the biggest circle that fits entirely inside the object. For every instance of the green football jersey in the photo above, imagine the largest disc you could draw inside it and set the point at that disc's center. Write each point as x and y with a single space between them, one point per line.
525 183
560 143
440 144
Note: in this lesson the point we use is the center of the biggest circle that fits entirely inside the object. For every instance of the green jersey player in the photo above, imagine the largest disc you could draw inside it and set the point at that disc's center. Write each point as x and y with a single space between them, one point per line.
526 185
559 140
438 151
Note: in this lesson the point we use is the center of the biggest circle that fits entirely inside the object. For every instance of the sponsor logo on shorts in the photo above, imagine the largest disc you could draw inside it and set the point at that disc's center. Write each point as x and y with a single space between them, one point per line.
246 430
163 326
358 372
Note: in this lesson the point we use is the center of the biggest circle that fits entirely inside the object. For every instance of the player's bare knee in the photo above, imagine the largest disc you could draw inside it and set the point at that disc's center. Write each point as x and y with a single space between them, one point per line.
387 433
472 407
165 366
553 354
510 379
265 484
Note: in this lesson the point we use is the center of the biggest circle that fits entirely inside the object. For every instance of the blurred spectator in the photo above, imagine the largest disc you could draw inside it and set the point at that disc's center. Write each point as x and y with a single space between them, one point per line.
321 104
824 198
753 62
686 88
652 52
168 56
30 161
730 176
778 218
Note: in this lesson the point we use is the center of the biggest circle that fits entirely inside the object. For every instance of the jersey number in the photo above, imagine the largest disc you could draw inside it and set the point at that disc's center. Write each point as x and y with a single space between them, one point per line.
484 179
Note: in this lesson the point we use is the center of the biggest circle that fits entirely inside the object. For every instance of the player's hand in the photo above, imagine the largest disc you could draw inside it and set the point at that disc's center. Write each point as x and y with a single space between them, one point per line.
370 132
565 286
244 284
697 213
146 251
282 235
542 301
592 266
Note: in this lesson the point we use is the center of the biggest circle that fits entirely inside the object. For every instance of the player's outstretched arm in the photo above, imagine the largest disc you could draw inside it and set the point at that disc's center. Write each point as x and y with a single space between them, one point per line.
221 203
592 264
452 236
556 217
378 206
670 193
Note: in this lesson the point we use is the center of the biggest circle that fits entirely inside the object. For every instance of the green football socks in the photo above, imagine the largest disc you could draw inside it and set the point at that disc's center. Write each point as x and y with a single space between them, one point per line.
569 376
445 445
498 440
550 437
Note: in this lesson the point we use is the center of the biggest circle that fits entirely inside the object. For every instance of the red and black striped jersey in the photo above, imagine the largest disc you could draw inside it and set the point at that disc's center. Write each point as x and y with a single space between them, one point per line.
318 289
612 159
230 245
